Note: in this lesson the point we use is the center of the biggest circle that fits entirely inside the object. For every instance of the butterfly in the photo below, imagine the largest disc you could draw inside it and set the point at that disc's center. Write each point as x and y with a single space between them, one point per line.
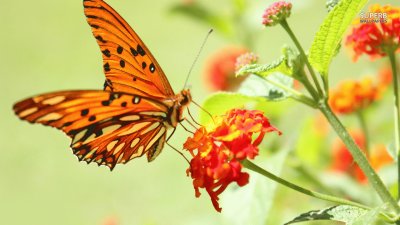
130 116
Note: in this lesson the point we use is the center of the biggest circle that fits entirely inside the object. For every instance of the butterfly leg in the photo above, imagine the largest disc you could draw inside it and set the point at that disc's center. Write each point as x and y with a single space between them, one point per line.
180 153
191 117
186 128
173 131
197 104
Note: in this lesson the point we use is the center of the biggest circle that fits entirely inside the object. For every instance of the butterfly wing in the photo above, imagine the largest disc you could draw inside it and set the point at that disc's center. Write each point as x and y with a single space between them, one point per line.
128 64
107 128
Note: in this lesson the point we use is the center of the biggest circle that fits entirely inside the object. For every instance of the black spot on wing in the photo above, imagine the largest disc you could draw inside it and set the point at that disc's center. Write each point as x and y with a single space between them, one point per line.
122 63
67 124
106 52
99 38
134 52
98 133
120 50
107 67
105 103
140 50
152 68
84 112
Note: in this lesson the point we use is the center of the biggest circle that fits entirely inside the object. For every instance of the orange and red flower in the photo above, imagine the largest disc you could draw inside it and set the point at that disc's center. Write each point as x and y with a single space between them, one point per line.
385 76
219 72
378 37
217 152
351 96
343 160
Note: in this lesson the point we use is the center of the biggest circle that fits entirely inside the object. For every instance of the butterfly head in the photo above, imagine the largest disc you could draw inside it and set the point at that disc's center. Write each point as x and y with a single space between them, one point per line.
185 98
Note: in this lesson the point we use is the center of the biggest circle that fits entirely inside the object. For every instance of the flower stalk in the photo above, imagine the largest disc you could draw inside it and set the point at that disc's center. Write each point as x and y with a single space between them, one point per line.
392 58
364 128
251 166
359 158
286 26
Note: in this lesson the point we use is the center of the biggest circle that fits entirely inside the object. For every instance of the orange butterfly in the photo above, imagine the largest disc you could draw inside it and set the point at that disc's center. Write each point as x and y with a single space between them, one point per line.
130 117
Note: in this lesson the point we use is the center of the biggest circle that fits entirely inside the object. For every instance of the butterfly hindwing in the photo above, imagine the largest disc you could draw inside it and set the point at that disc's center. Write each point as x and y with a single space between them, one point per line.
128 64
118 140
105 127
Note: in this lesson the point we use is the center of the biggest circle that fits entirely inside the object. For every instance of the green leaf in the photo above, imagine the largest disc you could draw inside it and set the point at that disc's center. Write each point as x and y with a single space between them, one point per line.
330 4
342 213
280 65
220 102
293 60
259 87
330 33
368 218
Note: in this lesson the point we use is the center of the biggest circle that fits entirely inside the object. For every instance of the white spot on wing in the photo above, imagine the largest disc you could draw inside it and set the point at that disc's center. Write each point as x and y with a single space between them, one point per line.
130 118
120 158
135 142
151 127
110 129
155 138
50 116
138 152
162 114
28 112
136 100
134 128
111 145
119 147
54 100
89 139
91 153
79 136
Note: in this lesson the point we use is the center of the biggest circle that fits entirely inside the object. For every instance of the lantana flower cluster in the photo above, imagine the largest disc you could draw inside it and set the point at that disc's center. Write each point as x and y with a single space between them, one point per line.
218 151
342 160
351 96
276 12
219 72
245 59
378 37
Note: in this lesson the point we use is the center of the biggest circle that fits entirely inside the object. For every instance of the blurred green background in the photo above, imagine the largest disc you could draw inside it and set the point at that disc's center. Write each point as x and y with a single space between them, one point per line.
48 46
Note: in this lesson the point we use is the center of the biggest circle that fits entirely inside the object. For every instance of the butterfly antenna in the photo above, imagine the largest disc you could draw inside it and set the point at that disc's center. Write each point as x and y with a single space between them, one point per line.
208 113
197 57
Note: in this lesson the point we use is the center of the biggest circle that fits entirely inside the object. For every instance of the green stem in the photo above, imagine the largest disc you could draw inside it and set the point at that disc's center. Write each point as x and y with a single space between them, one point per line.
300 168
294 94
392 58
359 158
364 128
304 80
251 166
285 26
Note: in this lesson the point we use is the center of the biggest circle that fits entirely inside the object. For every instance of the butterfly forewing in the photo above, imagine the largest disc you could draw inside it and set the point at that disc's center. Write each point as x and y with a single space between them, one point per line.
105 127
131 116
128 64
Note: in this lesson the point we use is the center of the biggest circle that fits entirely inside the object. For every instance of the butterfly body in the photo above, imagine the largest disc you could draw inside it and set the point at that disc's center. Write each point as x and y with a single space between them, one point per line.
131 116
